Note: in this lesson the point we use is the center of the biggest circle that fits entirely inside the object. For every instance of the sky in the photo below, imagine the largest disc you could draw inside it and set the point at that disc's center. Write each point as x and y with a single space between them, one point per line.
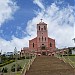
18 19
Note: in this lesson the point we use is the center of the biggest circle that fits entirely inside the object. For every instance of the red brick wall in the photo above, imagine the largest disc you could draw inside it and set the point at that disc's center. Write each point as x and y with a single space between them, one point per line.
42 32
52 41
31 44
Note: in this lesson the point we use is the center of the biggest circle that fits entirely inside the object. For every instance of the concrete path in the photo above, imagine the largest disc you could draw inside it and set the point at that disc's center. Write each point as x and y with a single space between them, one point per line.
49 65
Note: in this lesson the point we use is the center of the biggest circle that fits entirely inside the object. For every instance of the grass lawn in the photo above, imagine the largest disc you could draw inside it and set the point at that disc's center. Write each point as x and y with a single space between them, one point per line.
20 62
72 58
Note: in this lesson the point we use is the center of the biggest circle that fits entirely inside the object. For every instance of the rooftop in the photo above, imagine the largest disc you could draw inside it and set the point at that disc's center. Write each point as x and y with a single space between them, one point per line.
42 22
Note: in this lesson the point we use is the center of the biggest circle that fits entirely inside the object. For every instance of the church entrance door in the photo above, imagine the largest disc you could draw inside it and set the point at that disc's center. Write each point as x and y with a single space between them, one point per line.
43 53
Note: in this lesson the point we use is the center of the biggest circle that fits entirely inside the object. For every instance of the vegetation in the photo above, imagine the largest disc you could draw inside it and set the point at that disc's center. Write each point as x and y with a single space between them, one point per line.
18 67
71 57
7 62
11 67
10 59
5 70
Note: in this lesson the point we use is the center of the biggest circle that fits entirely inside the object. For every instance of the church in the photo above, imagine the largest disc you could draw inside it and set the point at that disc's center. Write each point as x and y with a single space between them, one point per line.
41 44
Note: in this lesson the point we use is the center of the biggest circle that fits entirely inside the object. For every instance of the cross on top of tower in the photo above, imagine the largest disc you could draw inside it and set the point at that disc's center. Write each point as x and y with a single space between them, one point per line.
41 20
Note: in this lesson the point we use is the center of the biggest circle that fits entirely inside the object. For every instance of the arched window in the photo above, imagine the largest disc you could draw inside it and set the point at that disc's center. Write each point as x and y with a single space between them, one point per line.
45 38
42 44
50 44
42 38
39 27
33 45
44 27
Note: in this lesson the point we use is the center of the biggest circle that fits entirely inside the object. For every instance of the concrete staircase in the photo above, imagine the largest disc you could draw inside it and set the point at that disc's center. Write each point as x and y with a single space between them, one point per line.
49 65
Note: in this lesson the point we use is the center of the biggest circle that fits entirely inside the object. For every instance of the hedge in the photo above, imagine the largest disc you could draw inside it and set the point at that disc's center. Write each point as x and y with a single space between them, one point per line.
8 62
18 68
69 55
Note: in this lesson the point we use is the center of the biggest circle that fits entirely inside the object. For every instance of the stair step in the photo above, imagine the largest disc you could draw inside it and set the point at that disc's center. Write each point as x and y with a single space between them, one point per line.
49 65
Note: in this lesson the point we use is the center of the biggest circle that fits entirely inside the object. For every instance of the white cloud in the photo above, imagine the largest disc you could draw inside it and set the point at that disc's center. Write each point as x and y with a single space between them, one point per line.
7 9
60 23
74 29
39 3
6 46
60 27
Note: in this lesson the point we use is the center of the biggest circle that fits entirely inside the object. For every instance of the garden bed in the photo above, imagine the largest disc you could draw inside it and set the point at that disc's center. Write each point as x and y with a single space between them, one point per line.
19 62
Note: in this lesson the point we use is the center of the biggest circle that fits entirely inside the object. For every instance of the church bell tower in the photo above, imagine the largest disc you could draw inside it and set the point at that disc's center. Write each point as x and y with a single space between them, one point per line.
42 35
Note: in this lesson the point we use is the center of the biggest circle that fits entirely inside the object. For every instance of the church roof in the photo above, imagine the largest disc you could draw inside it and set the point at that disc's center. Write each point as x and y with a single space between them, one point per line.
33 39
42 23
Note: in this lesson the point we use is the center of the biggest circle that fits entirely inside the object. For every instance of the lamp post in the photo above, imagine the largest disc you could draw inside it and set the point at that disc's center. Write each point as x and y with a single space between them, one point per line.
15 53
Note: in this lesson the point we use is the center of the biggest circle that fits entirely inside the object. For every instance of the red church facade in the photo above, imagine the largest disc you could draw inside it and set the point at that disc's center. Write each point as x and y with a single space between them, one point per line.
42 44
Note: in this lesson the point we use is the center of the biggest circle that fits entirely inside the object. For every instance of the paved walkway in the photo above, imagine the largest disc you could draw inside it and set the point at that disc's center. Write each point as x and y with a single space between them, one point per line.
47 65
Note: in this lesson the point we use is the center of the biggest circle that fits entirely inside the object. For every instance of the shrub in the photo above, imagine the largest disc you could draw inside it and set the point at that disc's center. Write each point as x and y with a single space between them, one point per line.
69 55
8 62
23 57
5 70
13 69
18 68
29 57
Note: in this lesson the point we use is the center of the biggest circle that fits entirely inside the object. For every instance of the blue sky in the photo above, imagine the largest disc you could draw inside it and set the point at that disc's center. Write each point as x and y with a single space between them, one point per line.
15 24
21 17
